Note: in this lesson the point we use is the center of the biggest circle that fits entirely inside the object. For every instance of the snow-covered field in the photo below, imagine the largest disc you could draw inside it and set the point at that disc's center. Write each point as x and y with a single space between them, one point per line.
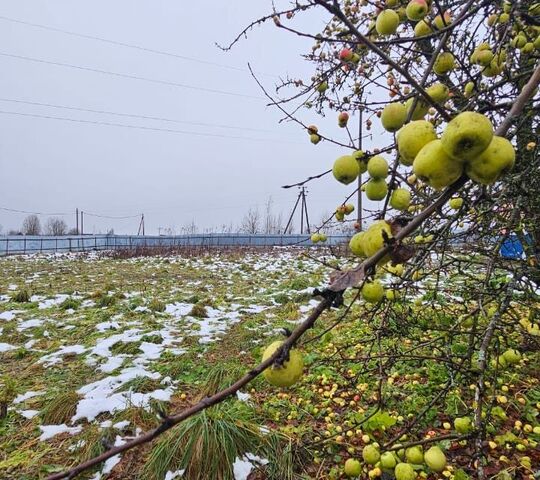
99 337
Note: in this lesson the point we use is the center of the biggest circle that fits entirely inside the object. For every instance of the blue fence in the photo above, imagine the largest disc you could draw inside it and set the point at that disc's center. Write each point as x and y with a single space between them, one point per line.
15 245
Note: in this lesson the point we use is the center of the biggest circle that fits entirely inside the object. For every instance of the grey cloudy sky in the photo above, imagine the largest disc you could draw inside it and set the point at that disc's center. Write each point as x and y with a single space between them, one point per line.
55 166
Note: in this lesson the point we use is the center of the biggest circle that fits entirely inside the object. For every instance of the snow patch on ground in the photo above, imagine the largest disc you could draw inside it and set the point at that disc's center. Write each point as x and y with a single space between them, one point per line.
242 466
49 431
35 322
29 413
51 302
178 309
56 357
243 397
6 347
25 396
112 363
104 326
173 475
9 315
102 396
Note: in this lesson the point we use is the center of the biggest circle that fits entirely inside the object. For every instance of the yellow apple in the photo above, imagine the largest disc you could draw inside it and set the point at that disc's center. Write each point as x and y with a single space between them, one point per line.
467 135
393 116
346 169
376 189
287 374
387 22
435 166
412 138
498 158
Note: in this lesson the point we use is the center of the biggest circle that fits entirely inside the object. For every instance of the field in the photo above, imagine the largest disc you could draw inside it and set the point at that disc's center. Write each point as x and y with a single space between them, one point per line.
94 349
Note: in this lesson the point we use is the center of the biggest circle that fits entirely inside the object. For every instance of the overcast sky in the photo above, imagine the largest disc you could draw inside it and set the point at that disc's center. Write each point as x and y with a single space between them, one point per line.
52 166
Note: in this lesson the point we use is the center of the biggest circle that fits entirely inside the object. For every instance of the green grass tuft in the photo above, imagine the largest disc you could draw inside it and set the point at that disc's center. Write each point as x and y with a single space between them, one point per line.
156 305
199 311
22 296
61 408
127 348
70 303
8 391
140 385
220 376
207 444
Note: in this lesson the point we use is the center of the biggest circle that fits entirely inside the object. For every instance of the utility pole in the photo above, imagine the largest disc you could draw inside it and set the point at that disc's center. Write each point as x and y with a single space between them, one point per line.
359 201
82 222
304 204
141 225
77 221
303 211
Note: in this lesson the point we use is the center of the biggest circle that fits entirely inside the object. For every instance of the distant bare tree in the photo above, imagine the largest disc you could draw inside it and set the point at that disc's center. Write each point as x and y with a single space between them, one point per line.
251 223
55 226
31 225
73 231
273 223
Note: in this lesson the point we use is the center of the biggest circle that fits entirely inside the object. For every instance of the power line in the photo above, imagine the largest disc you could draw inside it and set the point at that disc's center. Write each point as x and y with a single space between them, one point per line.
111 217
62 214
130 76
129 45
35 213
139 127
145 117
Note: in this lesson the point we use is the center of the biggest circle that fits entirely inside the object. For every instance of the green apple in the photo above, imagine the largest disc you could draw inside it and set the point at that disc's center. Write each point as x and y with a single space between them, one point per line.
420 108
404 471
456 203
438 92
435 166
412 138
346 169
377 167
435 459
288 373
388 461
414 455
400 199
498 158
372 292
359 155
416 10
356 244
467 135
444 63
375 235
422 29
387 22
511 356
393 116
376 189
462 424
353 468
